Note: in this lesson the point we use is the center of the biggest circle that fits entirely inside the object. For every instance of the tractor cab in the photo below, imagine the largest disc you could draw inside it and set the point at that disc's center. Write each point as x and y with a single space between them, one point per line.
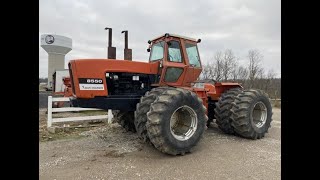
179 59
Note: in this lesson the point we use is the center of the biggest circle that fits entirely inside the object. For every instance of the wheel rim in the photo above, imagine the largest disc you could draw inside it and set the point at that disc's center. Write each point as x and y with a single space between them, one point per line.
259 114
183 123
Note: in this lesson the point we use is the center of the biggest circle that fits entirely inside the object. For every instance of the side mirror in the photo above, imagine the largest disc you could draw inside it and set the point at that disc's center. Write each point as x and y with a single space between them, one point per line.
148 49
149 42
199 40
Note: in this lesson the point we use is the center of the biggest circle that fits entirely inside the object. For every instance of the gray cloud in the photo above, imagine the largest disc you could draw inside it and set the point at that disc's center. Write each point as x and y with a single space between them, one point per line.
239 25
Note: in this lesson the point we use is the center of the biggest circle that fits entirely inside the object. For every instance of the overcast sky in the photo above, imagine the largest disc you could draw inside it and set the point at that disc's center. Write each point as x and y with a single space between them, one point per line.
239 25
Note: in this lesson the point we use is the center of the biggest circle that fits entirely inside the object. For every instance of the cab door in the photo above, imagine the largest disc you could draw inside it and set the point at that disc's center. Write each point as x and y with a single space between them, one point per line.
174 64
192 61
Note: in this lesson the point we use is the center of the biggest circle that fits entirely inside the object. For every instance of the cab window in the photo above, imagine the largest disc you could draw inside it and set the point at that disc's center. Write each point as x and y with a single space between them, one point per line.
174 51
157 51
193 55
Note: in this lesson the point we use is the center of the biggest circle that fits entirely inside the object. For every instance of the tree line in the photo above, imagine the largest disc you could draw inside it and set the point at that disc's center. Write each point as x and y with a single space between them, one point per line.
226 67
43 80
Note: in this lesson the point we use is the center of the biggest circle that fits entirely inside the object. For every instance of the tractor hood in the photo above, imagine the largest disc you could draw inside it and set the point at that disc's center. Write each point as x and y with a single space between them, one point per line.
96 68
88 76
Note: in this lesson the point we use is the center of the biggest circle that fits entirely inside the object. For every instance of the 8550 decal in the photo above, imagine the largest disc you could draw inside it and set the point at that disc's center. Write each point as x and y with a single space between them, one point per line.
91 84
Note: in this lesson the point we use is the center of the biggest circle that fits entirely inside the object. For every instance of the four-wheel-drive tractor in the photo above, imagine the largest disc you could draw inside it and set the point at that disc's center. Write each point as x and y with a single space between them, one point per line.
162 100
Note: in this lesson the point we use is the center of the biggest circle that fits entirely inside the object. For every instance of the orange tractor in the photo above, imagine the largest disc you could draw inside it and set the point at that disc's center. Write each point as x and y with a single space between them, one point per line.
162 100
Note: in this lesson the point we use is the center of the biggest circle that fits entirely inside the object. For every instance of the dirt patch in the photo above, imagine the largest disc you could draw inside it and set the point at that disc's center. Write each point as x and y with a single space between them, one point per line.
113 153
276 103
68 130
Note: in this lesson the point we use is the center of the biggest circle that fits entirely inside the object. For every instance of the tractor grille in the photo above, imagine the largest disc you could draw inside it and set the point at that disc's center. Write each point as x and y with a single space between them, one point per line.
129 83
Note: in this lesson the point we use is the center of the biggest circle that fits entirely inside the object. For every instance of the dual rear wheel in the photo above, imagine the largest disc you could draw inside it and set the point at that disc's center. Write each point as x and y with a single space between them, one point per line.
247 113
173 120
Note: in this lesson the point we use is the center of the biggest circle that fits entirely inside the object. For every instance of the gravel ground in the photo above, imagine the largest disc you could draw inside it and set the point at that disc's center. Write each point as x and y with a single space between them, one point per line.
108 152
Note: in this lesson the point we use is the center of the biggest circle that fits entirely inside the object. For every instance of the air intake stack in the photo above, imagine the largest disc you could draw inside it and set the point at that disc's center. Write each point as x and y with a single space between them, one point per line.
127 52
111 50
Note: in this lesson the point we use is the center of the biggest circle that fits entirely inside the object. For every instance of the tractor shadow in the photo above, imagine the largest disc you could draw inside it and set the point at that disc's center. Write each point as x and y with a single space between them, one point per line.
213 128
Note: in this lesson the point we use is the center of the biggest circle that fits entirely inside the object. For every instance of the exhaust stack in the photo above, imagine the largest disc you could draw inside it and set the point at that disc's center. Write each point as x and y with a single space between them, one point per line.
127 52
111 50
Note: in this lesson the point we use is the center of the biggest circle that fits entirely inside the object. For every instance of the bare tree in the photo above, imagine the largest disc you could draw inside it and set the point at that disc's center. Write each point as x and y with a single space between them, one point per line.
218 67
208 71
271 74
242 73
260 80
235 74
269 84
204 72
225 66
225 63
254 70
229 63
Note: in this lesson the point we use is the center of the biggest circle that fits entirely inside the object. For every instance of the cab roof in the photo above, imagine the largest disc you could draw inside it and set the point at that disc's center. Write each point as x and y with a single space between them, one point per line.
175 35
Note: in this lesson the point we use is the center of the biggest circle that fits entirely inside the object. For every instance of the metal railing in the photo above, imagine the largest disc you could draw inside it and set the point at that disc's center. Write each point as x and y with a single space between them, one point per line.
51 120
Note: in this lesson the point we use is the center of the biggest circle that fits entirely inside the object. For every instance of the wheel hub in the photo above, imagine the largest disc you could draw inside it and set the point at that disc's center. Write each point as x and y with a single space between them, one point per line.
259 114
183 123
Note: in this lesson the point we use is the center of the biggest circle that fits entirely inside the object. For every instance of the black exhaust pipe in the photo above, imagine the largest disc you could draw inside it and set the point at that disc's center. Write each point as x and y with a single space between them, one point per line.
127 51
111 50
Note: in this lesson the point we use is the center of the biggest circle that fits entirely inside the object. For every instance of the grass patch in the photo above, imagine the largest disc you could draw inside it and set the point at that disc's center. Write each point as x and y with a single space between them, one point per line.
72 133
94 112
42 88
276 104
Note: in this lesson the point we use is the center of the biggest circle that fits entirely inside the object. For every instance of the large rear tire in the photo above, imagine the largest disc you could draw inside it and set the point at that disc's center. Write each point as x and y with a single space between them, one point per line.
252 114
176 121
126 120
141 111
223 110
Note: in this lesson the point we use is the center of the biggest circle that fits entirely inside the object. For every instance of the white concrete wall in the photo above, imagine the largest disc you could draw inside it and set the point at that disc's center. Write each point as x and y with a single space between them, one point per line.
56 61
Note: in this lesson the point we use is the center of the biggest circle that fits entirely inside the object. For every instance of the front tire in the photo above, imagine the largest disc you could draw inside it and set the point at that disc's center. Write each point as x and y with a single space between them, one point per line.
126 120
176 121
141 111
252 114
